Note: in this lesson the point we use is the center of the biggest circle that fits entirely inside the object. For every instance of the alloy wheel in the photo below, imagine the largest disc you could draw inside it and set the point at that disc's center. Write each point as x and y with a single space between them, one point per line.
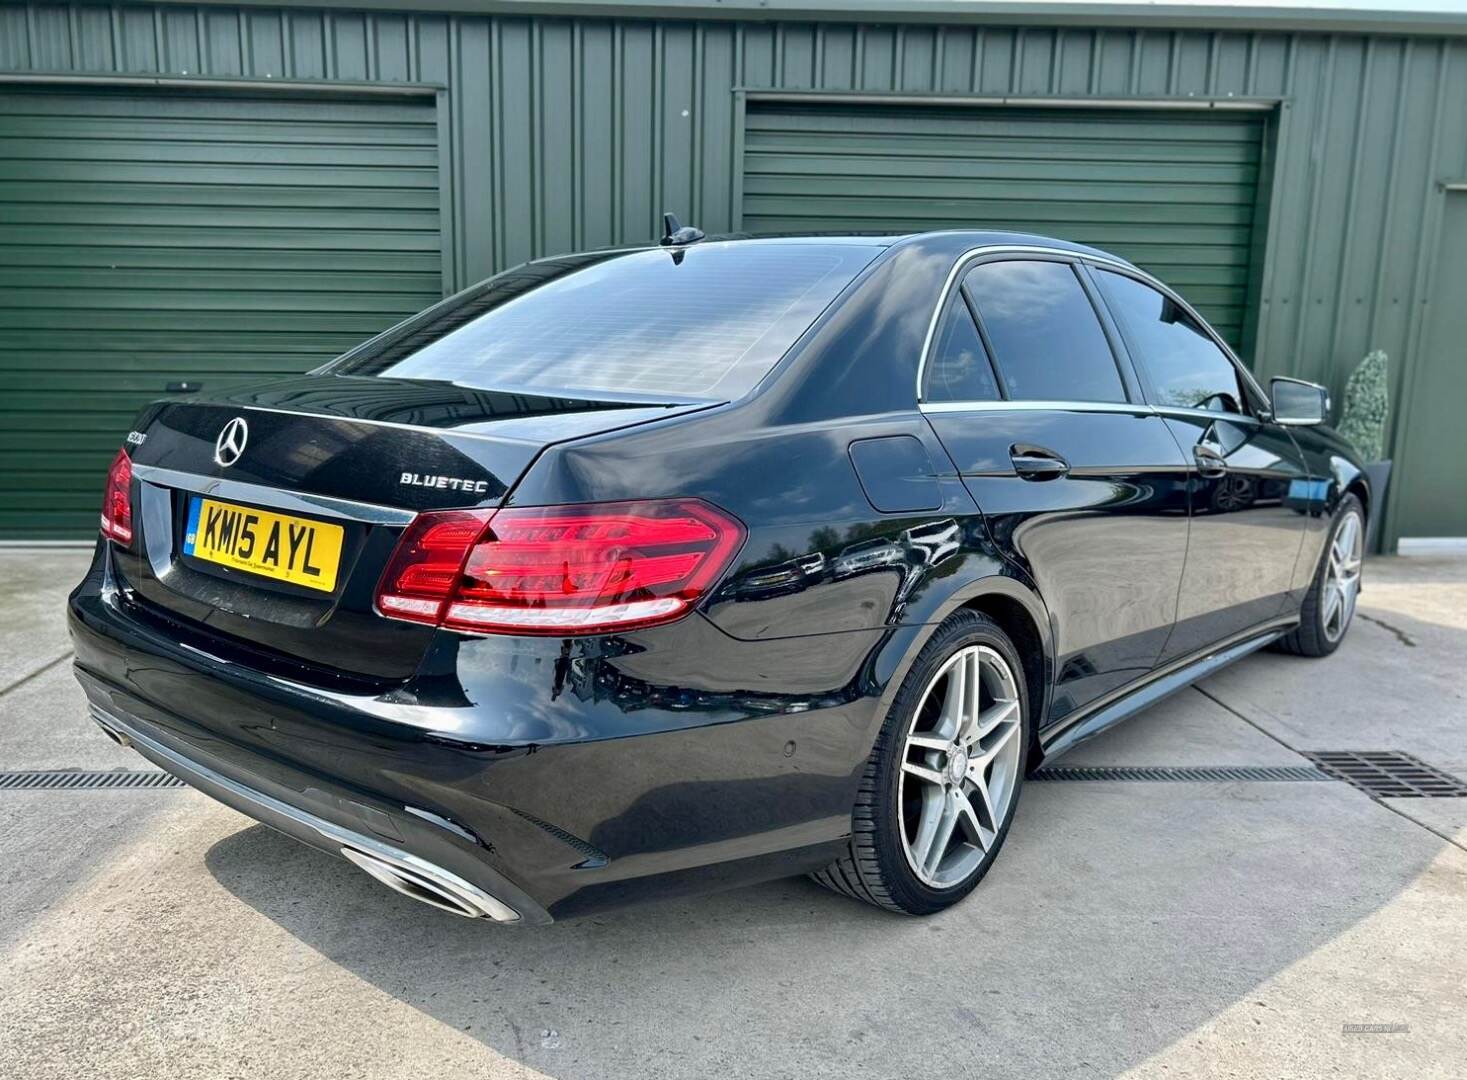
1342 576
960 766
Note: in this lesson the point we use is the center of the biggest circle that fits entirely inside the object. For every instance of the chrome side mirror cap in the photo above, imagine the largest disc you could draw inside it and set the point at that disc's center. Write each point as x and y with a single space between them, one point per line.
1297 403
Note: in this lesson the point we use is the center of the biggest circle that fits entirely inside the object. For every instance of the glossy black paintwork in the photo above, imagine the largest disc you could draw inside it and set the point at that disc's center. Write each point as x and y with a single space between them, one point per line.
897 474
352 437
1105 544
1245 539
725 747
1332 469
346 438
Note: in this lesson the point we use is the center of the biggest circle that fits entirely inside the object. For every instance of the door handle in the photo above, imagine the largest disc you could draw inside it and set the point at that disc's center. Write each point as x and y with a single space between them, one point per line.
1037 463
1210 461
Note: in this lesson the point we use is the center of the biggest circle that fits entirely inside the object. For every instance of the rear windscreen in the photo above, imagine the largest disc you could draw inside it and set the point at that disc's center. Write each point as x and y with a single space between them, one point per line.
705 322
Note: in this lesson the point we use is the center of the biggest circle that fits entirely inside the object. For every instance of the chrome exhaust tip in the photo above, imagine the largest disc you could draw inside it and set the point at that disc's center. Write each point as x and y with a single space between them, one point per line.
428 885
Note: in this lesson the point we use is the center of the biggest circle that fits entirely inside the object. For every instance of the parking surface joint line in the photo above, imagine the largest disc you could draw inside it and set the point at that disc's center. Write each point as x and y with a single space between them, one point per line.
1378 801
18 683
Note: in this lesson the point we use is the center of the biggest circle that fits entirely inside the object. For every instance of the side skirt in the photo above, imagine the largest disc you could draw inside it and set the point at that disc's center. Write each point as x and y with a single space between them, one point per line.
1163 682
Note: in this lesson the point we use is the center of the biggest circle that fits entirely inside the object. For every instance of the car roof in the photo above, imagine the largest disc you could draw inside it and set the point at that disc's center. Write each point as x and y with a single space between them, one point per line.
958 240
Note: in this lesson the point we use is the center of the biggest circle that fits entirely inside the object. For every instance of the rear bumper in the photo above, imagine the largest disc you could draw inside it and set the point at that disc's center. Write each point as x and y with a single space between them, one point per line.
550 778
457 894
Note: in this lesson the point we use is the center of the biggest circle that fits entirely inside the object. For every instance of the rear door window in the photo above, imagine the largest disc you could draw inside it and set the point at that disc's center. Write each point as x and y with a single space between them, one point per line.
1047 340
959 369
1179 362
704 322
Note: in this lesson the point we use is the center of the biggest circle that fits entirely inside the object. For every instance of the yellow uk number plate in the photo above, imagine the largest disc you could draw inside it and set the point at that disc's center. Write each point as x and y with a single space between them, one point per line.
298 550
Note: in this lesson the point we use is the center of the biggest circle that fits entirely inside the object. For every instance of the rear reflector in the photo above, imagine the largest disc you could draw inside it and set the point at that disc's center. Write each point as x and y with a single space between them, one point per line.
117 500
559 569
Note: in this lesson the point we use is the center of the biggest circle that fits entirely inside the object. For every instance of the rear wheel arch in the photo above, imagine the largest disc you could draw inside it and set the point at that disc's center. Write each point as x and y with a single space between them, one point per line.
1017 619
1019 612
1358 488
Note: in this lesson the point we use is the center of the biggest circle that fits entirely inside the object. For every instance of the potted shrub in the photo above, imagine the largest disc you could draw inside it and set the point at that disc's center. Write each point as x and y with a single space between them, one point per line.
1363 421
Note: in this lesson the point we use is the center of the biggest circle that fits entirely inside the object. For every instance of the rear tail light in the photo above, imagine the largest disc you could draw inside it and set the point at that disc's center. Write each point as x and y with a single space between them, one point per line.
558 569
117 500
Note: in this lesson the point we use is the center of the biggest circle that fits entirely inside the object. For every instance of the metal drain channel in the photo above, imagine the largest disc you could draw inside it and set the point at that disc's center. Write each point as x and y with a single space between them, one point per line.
152 779
82 780
1388 774
1181 774
1383 774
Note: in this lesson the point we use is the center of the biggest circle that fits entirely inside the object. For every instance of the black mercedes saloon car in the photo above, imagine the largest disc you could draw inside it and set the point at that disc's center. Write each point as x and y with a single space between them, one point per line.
649 571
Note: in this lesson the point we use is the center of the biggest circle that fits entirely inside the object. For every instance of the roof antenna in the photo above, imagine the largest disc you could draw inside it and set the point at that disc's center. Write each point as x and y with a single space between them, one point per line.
676 234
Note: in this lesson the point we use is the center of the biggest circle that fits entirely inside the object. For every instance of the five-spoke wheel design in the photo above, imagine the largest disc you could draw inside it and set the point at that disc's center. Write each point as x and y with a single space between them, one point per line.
960 766
1342 575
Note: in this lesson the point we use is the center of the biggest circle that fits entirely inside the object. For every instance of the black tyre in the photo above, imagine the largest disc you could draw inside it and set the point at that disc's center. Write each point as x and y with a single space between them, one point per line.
1329 605
941 785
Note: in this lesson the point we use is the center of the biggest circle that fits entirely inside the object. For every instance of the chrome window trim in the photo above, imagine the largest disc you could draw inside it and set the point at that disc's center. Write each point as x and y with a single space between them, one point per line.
258 494
957 270
1033 406
1104 262
1227 350
1210 414
1136 408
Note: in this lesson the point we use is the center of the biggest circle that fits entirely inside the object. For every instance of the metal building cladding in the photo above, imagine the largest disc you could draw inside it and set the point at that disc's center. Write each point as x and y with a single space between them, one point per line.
201 194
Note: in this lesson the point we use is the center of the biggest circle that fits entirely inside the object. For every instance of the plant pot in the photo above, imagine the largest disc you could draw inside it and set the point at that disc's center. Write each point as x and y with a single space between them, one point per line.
1379 475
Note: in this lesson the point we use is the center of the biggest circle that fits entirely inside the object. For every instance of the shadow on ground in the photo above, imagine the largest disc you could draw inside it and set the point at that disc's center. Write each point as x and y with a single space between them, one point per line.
1060 962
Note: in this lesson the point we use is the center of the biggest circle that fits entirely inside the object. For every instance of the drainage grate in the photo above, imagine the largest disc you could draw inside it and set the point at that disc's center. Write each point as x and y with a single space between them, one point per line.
1184 774
81 780
1382 773
1388 774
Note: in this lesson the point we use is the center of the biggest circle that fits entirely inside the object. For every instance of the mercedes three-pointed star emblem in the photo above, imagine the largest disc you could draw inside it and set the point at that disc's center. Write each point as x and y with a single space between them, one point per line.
231 442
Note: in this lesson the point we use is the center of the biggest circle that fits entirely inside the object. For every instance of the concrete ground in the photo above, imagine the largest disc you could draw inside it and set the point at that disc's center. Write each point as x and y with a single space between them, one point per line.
1138 929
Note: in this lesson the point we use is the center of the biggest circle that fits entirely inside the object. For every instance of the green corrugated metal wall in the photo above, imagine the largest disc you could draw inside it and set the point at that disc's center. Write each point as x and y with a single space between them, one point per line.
149 238
565 133
1173 192
1432 492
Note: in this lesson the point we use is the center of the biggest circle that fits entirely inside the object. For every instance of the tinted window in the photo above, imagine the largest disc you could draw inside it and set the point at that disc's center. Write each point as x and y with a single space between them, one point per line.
958 369
710 324
1179 361
1046 338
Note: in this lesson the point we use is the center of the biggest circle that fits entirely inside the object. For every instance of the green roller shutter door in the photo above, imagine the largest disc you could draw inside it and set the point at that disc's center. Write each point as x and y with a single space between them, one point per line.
1174 192
151 238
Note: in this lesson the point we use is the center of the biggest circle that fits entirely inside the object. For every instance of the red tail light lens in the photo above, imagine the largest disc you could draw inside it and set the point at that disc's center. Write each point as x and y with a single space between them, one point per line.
424 570
117 500
560 569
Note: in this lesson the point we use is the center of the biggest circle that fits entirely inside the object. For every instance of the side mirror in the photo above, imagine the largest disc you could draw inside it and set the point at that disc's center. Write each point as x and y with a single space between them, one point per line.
1297 403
